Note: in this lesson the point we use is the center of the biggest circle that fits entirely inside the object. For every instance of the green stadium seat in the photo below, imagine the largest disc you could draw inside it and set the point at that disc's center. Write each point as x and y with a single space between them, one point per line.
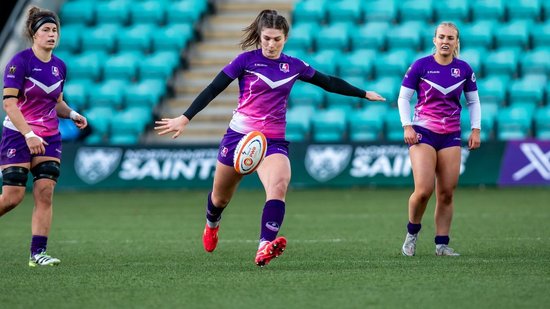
451 10
524 9
419 10
108 94
502 61
75 93
173 37
371 35
541 36
528 89
393 63
78 12
406 36
146 93
309 11
333 36
113 12
306 94
148 12
344 11
87 65
514 33
478 34
365 126
380 11
493 89
535 62
298 123
488 10
99 120
392 124
514 123
542 123
300 36
329 126
136 38
357 63
71 39
101 38
122 66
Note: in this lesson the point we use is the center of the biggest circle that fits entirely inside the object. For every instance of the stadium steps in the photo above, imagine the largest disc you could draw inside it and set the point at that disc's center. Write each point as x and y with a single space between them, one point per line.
221 34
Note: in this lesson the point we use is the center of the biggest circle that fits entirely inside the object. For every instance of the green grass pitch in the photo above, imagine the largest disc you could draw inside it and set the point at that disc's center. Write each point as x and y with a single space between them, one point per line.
142 249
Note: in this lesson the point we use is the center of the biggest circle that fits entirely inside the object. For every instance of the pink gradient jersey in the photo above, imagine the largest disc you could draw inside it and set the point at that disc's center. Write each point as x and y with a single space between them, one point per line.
40 85
439 88
264 86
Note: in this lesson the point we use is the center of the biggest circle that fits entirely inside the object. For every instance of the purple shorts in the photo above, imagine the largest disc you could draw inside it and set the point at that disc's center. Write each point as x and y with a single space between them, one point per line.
436 140
231 139
14 149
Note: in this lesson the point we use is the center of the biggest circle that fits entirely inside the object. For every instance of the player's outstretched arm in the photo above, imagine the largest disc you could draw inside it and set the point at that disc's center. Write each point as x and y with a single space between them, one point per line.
169 125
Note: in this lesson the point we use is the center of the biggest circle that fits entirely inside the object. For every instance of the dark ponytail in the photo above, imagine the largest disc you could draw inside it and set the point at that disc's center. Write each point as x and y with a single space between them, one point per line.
266 19
36 18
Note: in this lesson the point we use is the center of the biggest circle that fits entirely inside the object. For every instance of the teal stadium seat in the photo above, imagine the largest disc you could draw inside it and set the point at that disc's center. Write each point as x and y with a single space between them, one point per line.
371 35
406 36
344 11
309 11
514 33
135 38
305 94
130 124
524 9
173 37
108 94
99 120
345 103
75 93
474 58
159 65
393 127
487 126
87 65
70 39
502 61
493 89
488 10
478 34
380 11
324 61
388 87
300 36
101 38
514 123
298 123
148 12
122 66
77 12
456 11
365 126
419 10
333 36
541 37
145 93
185 11
527 89
542 123
329 126
536 61
356 64
113 12
393 63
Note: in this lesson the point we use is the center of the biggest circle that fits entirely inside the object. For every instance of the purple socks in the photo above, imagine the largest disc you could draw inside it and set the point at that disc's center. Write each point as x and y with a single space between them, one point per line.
272 219
38 244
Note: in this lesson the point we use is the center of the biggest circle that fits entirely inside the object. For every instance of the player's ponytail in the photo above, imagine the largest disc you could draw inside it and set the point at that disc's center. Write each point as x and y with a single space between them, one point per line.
36 18
266 19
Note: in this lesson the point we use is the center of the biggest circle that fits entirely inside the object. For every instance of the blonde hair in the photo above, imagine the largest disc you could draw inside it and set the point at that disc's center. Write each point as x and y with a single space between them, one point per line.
456 51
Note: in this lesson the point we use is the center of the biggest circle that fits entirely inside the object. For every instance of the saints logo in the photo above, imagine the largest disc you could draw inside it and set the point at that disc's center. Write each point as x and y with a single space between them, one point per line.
93 165
324 162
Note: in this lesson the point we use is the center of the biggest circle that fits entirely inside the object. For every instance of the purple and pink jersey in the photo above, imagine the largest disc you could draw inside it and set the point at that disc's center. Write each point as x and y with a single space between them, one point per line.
439 88
40 85
264 87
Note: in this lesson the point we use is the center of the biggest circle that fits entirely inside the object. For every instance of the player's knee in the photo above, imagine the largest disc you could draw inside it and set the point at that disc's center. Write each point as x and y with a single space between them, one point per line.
280 188
15 176
423 196
445 197
46 170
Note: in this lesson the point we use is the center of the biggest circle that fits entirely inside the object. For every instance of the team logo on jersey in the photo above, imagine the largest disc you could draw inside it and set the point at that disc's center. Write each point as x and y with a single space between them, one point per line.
284 67
11 153
473 78
12 69
455 72
55 71
224 152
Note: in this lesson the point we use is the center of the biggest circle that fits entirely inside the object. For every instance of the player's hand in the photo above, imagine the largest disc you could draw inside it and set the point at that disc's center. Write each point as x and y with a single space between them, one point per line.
373 96
169 125
35 143
410 135
80 121
474 141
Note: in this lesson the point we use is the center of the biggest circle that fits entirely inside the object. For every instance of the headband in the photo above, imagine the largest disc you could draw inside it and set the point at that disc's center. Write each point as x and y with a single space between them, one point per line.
41 21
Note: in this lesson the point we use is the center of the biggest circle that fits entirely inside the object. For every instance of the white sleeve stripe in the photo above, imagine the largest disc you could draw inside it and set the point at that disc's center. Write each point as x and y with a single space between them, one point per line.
474 108
404 105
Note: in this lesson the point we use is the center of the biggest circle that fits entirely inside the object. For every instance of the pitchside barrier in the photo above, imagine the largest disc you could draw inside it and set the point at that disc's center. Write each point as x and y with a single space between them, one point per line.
518 163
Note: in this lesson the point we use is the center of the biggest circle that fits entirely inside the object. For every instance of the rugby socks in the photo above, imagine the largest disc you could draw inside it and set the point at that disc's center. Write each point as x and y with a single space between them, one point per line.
414 228
272 219
38 244
213 213
442 239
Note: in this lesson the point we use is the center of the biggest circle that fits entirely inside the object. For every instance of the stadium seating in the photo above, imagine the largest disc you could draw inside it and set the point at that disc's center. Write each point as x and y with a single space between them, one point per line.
513 34
478 34
541 38
113 12
365 126
344 11
542 123
305 94
493 10
523 9
78 12
419 10
147 12
406 36
528 89
298 123
393 127
329 125
309 11
457 11
334 36
99 120
536 61
371 35
357 63
514 122
135 38
300 36
380 11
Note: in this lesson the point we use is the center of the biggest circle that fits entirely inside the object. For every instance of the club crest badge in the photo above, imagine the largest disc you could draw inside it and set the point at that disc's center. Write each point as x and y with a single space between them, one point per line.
455 72
284 67
55 71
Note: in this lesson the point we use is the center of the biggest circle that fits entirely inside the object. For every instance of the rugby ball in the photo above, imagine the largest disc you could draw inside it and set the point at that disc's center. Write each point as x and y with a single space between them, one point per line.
250 152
